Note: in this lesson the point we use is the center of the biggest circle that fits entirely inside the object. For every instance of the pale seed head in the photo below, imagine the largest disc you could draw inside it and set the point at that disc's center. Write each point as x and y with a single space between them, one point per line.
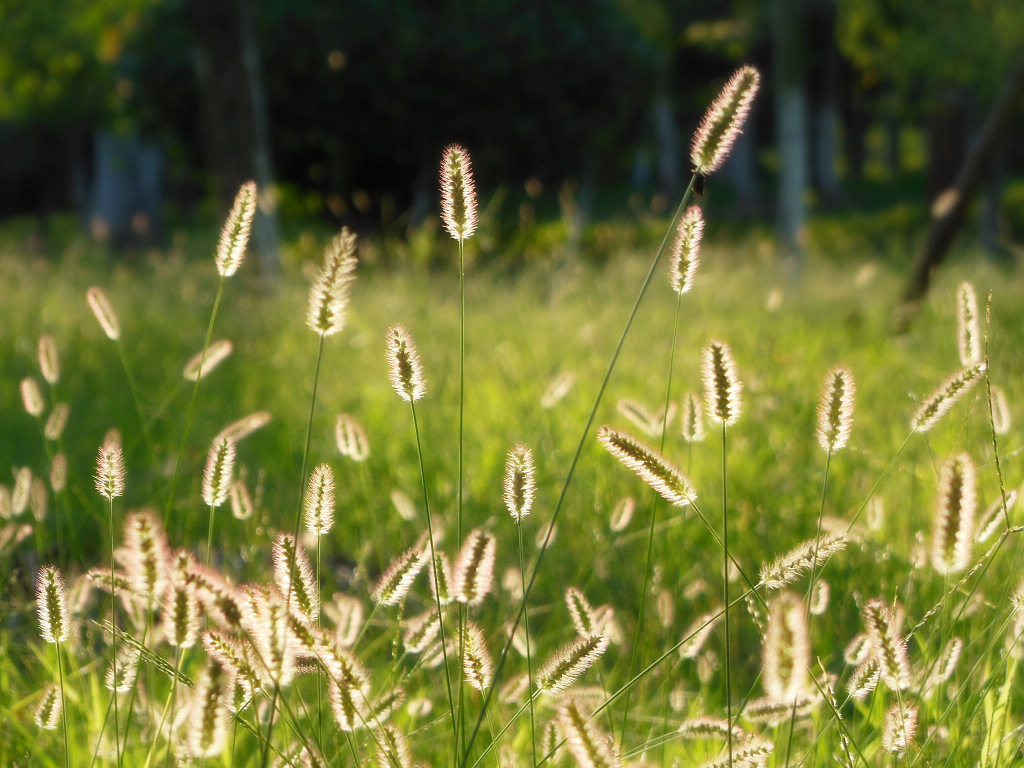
953 529
458 193
110 470
890 650
723 121
320 501
571 661
787 649
939 402
900 727
241 501
120 677
220 463
404 362
209 712
237 431
693 429
591 747
653 468
968 326
813 553
476 661
557 389
722 387
835 409
294 577
46 715
398 577
52 605
56 422
519 485
351 438
58 472
1001 418
328 297
103 312
686 250
149 557
474 569
32 397
622 514
235 236
204 361
49 362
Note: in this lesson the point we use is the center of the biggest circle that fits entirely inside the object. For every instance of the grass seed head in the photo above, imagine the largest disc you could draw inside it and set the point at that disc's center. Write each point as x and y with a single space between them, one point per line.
148 562
294 577
835 409
686 250
968 328
55 423
392 747
420 632
458 193
621 515
240 500
1001 418
752 752
571 661
953 529
882 624
404 363
237 431
722 386
441 579
209 712
234 237
591 747
328 297
583 615
474 569
220 463
813 553
180 614
52 605
557 389
103 312
476 661
32 397
110 470
787 649
46 715
121 673
395 582
653 468
58 472
519 485
49 361
693 429
900 727
939 402
320 501
351 438
697 634
723 121
204 361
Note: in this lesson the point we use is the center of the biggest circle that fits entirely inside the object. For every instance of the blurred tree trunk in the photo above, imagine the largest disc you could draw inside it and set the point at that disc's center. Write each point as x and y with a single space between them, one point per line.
235 127
791 126
950 209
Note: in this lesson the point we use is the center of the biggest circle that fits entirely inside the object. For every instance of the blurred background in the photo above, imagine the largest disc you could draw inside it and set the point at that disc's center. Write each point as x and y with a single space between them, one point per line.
127 120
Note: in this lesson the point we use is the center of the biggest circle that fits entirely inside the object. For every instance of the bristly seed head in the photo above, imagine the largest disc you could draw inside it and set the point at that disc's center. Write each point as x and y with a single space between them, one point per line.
294 577
404 363
121 673
722 387
787 649
399 576
55 423
939 402
52 605
693 429
835 409
653 468
320 501
686 251
900 727
571 661
46 715
519 485
1001 419
329 295
458 193
474 569
953 530
723 121
968 330
890 649
104 313
476 662
813 553
220 463
235 236
110 470
351 438
591 747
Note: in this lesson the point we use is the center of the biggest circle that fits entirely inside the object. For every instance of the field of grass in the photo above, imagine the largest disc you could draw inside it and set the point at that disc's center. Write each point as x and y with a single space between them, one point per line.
524 329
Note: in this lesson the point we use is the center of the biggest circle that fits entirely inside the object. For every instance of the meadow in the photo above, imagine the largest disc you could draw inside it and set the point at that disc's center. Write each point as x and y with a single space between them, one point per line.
896 645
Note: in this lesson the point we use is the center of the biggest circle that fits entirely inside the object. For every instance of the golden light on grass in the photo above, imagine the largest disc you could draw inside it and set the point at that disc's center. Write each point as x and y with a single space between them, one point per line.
686 250
104 313
110 470
234 237
220 463
835 409
52 605
404 364
519 484
328 297
458 193
953 527
653 468
722 386
723 121
216 353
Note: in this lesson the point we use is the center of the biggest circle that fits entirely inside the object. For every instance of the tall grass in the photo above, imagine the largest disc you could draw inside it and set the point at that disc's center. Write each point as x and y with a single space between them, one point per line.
861 608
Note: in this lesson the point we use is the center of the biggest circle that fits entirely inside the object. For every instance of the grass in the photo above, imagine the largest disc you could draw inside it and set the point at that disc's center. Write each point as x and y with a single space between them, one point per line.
524 329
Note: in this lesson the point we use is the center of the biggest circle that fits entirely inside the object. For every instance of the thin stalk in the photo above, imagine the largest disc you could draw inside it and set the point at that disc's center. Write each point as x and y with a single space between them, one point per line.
529 660
654 515
433 565
113 635
192 403
725 593
209 538
319 692
63 709
295 536
135 395
575 460
460 734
